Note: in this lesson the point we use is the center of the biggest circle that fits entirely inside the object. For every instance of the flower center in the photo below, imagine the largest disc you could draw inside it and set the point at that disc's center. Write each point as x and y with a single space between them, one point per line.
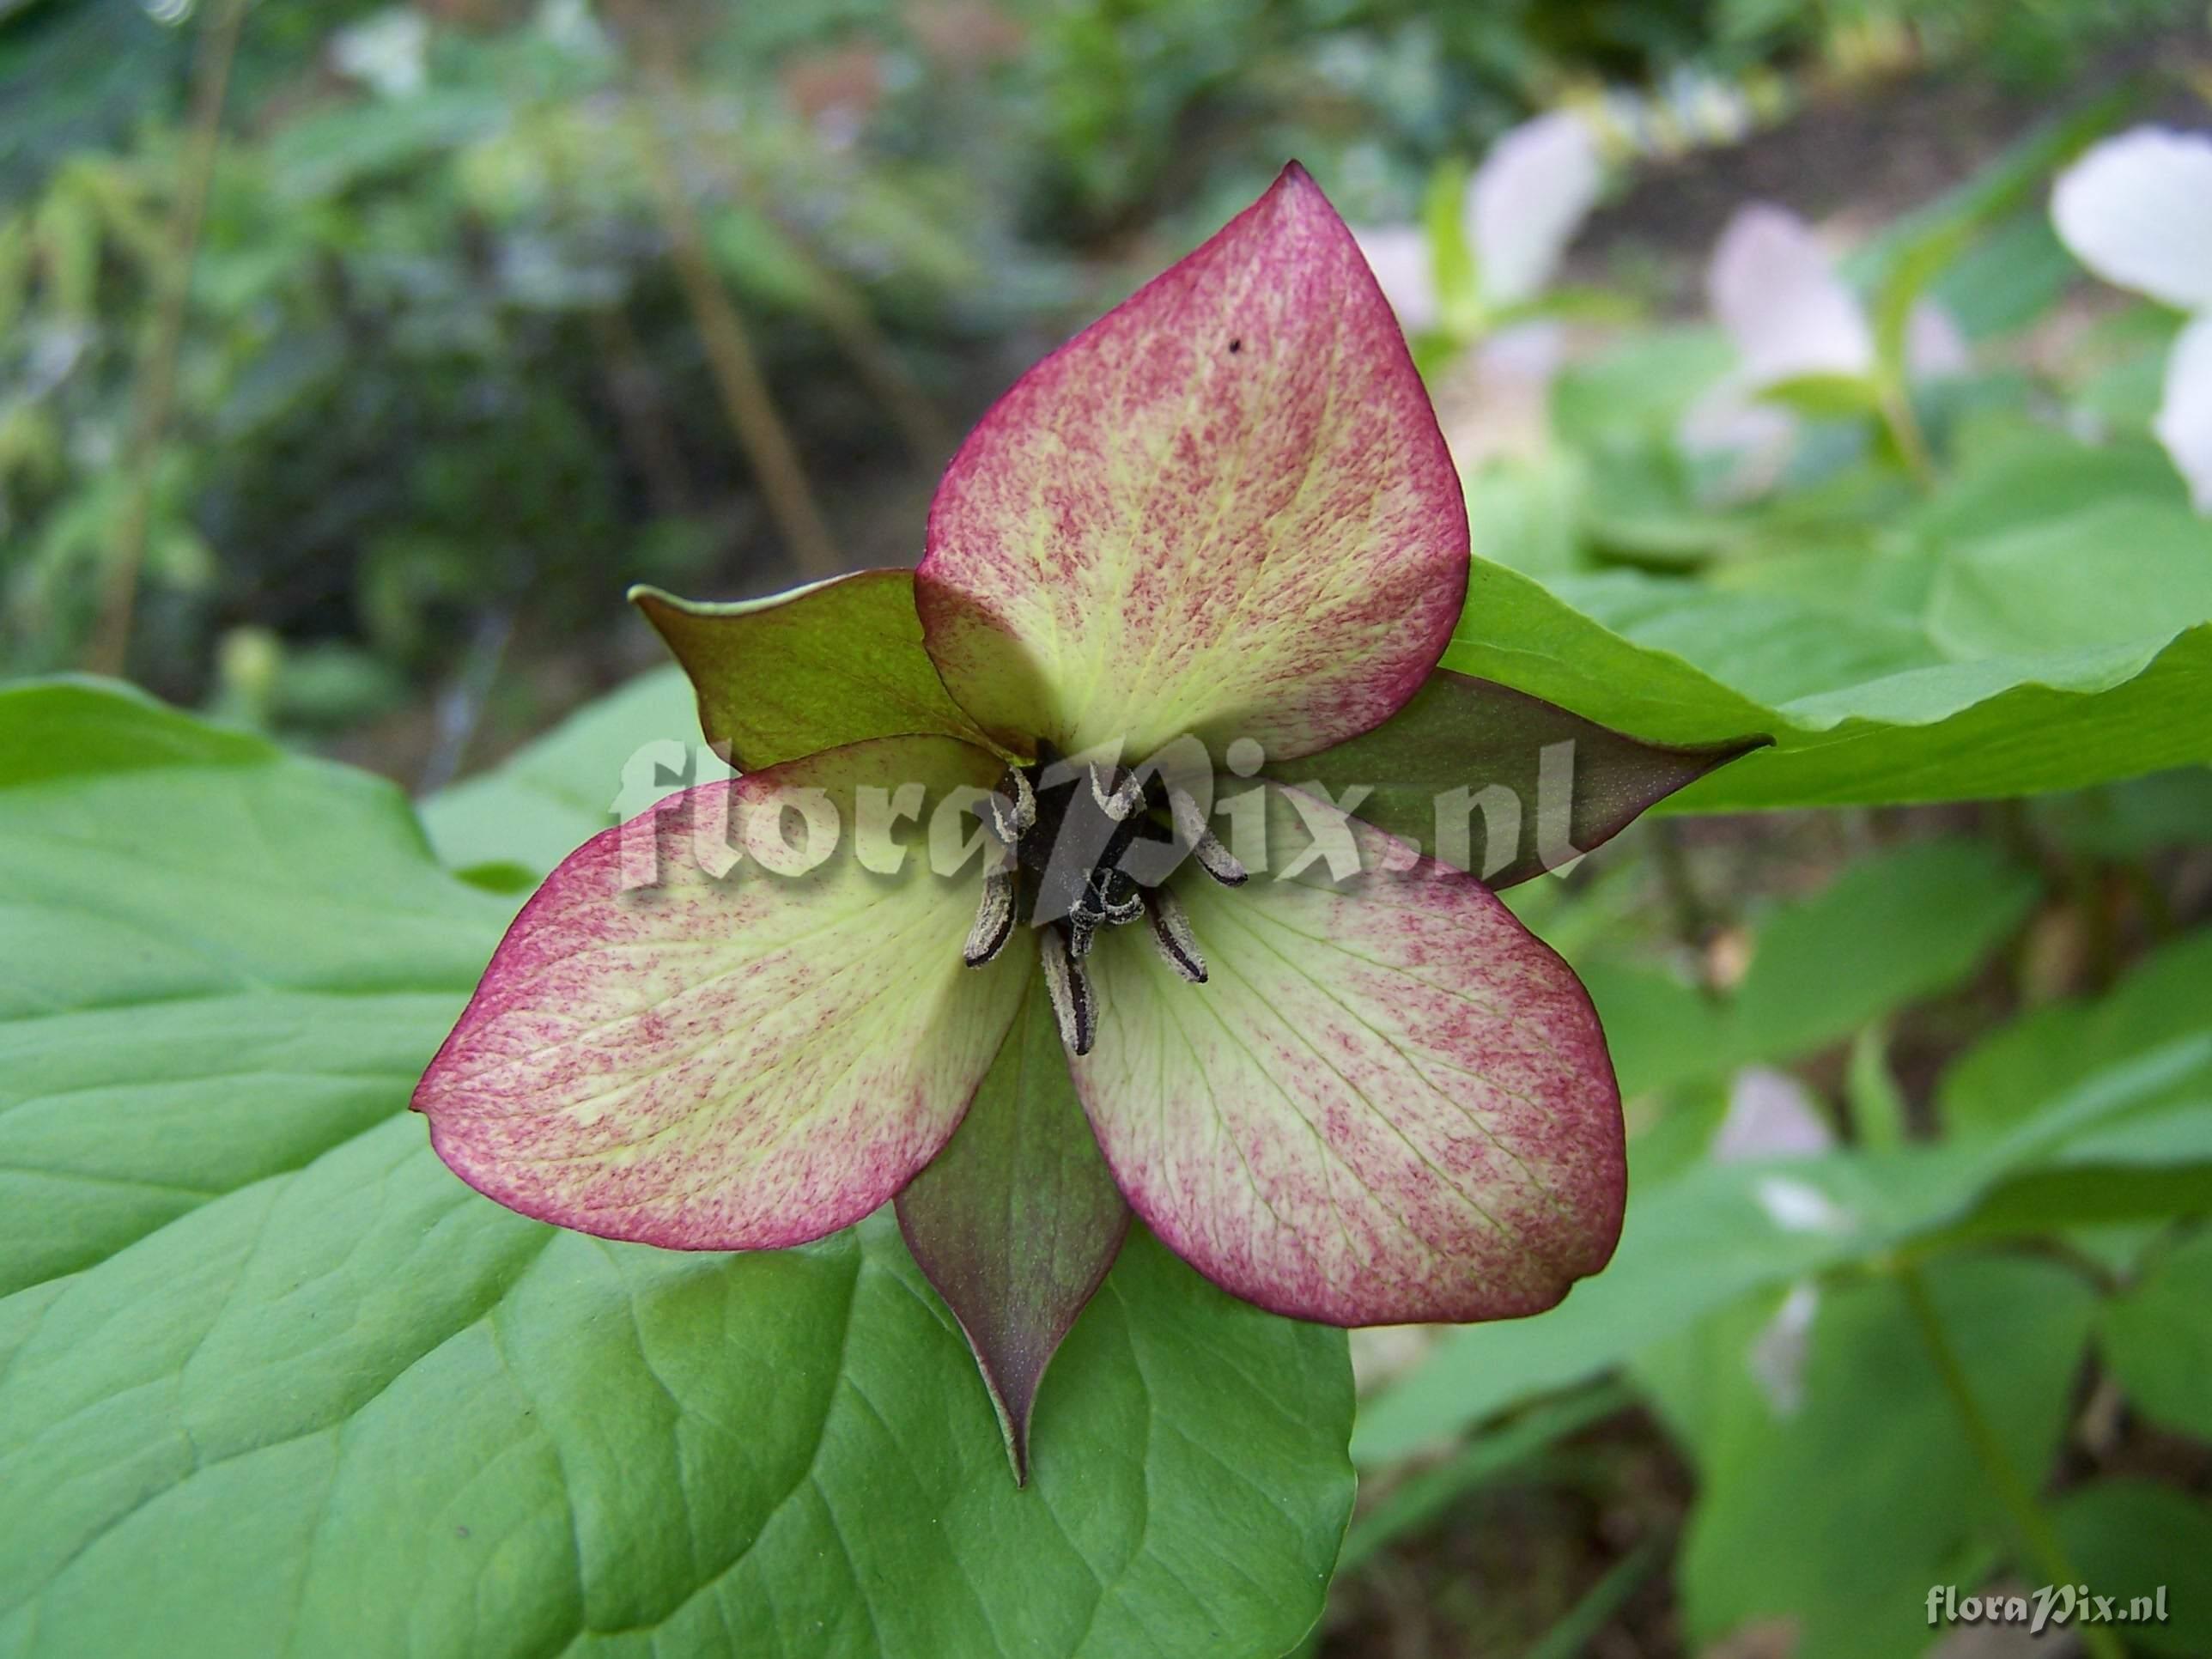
1087 847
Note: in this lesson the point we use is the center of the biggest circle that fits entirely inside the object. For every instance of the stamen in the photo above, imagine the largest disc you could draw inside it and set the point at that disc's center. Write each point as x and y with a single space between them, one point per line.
1082 928
1069 987
994 919
1118 899
1126 797
1010 818
1212 857
1171 932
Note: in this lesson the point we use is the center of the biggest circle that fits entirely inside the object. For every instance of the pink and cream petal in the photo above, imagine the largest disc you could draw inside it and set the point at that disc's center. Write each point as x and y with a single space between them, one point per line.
740 1061
1225 509
1388 1102
829 664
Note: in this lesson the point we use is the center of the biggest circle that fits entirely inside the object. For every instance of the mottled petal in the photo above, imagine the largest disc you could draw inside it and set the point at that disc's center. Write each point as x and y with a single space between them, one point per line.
1388 1103
1526 201
829 664
738 1062
2137 211
2184 417
1790 315
1017 1221
1225 509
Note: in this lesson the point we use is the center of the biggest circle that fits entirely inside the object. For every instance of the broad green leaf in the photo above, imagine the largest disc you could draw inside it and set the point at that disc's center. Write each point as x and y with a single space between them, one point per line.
2031 476
2004 1078
221 964
1892 928
290 1385
1834 1489
1017 1221
1779 645
1943 731
2130 1537
2112 572
609 761
65 728
2157 1338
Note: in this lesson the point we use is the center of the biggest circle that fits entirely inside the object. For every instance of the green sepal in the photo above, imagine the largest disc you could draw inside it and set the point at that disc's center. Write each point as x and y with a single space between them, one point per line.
1018 1220
837 662
1463 733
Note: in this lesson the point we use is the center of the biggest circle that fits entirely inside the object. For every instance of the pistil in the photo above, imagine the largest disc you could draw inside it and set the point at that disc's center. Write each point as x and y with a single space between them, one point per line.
1064 866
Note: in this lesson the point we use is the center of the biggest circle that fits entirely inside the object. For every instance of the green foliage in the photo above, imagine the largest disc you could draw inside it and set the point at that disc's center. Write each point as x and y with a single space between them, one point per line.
1770 1416
271 1378
263 1359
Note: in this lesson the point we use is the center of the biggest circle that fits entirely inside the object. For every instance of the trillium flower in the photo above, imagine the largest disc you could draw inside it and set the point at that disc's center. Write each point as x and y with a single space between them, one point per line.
1803 343
1220 523
1502 239
2137 211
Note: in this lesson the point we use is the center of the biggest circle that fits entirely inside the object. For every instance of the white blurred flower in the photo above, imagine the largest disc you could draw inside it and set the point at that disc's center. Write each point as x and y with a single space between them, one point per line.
1405 272
1770 1115
1776 294
386 53
1798 1206
1521 208
1527 200
1778 1354
2137 211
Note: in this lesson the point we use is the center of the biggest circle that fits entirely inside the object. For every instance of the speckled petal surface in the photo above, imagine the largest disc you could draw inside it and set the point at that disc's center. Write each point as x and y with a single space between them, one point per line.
1388 1103
1224 508
740 1062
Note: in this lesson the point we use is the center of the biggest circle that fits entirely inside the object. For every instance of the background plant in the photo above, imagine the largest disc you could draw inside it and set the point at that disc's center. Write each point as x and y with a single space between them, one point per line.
1909 1009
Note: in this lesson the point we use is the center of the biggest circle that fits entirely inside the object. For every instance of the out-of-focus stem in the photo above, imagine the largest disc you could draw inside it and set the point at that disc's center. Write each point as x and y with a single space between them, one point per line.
2038 1538
746 398
110 648
843 311
1904 427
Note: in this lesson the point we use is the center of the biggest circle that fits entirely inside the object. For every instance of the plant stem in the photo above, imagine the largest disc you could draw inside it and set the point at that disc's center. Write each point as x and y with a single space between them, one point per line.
2038 1539
745 399
1904 427
110 648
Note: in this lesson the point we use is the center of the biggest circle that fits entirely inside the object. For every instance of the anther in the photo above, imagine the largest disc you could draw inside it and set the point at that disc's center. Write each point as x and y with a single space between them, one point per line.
1212 857
1122 800
1171 932
1012 809
994 919
1069 988
1082 926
